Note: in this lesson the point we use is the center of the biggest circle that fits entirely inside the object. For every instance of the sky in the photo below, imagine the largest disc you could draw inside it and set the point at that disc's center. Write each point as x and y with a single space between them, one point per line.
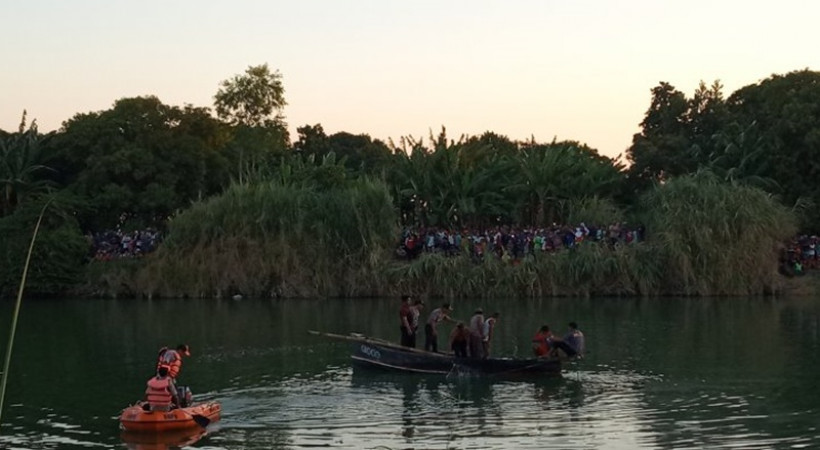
572 69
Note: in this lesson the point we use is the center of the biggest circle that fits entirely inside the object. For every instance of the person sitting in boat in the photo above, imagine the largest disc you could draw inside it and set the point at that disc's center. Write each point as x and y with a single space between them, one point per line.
489 331
161 394
172 359
572 344
459 338
430 331
575 339
542 342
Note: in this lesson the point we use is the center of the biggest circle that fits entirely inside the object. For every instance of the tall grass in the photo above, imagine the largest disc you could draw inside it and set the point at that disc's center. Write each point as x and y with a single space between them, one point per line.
705 237
271 239
591 269
716 238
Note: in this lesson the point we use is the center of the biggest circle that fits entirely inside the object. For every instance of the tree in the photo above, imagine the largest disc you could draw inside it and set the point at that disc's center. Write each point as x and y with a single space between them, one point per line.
22 171
677 134
663 138
786 112
253 99
141 160
252 104
555 173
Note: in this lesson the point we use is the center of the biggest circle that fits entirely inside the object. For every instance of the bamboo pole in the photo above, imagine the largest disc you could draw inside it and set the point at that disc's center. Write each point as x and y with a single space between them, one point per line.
17 311
377 341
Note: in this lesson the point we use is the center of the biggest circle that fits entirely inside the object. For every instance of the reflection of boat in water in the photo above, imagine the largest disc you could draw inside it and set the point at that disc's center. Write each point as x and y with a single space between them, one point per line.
136 440
383 355
136 419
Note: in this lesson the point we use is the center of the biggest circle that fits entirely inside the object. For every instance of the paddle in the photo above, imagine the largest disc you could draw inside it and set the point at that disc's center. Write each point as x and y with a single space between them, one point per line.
201 420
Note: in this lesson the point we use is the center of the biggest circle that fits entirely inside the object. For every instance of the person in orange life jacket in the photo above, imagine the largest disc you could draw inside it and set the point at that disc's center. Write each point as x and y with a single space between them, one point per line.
489 331
430 331
161 394
541 342
172 359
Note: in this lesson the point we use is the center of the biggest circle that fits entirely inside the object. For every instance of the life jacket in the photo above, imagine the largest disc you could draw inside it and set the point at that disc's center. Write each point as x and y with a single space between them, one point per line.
158 392
541 343
172 360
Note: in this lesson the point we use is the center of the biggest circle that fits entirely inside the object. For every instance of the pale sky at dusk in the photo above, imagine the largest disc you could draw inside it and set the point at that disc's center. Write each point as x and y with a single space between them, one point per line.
578 70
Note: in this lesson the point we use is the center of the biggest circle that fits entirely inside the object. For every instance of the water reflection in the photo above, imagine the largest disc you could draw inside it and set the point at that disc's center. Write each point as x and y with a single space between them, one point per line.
167 440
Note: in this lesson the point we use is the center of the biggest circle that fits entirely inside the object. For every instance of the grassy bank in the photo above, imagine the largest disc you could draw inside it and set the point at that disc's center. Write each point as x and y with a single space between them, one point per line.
705 237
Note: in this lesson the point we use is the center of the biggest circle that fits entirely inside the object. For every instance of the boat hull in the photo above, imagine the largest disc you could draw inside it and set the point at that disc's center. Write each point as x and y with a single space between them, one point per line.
136 419
380 357
374 355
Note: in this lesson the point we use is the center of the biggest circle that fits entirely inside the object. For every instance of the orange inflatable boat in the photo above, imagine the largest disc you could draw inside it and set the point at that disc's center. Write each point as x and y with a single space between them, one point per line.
135 418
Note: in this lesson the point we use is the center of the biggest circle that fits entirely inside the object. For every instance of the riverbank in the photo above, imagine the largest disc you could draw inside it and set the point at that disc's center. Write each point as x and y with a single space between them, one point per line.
589 271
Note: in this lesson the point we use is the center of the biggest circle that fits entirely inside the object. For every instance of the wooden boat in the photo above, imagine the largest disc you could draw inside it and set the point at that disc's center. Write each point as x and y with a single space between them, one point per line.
508 367
379 354
136 418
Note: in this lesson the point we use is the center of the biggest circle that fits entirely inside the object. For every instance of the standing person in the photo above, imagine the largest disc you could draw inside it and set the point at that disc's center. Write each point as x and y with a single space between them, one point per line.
405 322
459 338
477 334
172 359
415 313
541 341
430 328
489 331
161 392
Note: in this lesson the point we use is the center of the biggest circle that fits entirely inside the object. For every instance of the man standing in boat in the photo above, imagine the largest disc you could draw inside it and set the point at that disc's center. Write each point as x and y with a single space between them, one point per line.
172 359
430 329
415 313
489 331
477 334
405 322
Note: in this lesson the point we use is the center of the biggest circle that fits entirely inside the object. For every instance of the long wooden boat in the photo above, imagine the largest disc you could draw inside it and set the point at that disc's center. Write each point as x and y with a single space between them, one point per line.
379 354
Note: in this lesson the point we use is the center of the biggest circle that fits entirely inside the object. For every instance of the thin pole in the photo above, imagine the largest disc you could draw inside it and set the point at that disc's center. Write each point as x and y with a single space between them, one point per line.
17 311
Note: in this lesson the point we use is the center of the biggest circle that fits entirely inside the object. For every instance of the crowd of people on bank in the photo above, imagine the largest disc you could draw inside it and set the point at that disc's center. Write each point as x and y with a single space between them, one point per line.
801 254
512 243
117 244
474 338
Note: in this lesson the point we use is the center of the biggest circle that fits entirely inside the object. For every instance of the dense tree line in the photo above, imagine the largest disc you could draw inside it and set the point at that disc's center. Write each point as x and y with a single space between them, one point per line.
143 163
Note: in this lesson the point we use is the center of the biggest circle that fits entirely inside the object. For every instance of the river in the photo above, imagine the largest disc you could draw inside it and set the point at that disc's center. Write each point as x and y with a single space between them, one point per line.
660 373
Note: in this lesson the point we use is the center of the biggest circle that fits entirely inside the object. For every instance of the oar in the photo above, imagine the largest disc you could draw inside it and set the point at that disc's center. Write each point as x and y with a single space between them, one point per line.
201 420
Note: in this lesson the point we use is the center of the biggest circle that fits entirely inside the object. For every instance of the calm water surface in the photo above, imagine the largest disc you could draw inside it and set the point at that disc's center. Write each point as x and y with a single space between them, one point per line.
661 373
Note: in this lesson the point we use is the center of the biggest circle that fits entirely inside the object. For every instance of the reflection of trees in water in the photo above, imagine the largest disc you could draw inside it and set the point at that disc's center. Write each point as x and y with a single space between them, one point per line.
731 370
